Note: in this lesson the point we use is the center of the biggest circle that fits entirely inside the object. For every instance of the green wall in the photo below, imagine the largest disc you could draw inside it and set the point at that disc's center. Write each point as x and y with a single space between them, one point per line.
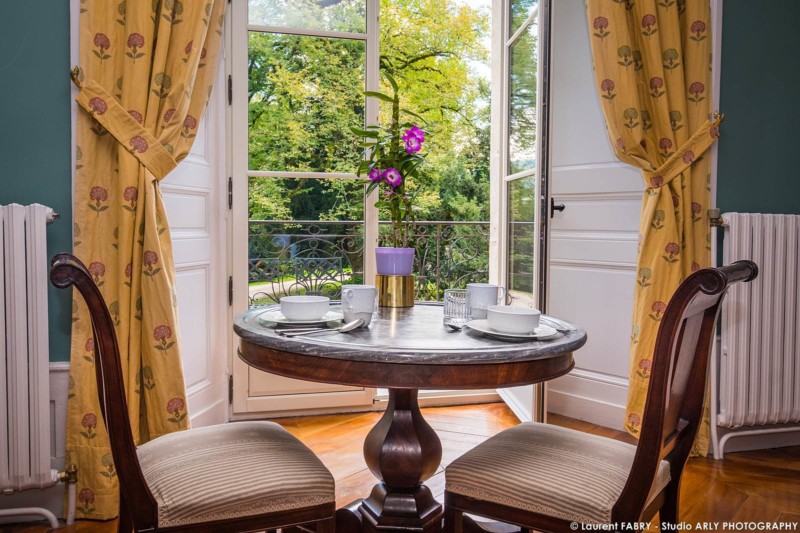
756 170
35 129
760 78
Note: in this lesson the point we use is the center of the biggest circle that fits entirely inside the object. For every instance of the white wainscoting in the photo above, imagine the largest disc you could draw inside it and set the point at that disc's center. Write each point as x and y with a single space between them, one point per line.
592 274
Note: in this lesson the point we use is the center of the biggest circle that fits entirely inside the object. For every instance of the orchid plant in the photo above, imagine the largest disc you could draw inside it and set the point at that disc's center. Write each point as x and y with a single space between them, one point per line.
391 157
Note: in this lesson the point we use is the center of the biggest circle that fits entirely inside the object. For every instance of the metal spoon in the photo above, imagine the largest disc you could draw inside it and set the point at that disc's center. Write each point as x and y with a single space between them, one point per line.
350 326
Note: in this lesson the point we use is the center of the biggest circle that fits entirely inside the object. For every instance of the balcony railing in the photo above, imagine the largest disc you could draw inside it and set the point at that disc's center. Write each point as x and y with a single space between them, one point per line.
316 257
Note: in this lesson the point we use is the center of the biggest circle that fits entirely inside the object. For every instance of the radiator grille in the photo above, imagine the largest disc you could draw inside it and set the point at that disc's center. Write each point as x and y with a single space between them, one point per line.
25 396
759 373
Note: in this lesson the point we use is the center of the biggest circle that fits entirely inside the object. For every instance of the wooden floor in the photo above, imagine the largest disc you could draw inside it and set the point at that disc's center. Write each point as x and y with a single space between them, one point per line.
749 486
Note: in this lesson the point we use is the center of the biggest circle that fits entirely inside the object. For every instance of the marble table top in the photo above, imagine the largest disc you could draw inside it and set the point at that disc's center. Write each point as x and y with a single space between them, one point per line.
405 335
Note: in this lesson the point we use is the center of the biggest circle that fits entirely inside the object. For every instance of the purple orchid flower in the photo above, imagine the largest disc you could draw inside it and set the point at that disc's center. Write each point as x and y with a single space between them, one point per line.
413 144
375 174
414 131
392 177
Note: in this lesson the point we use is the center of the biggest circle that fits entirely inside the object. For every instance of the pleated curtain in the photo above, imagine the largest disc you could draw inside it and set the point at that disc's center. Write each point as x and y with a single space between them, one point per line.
652 62
145 75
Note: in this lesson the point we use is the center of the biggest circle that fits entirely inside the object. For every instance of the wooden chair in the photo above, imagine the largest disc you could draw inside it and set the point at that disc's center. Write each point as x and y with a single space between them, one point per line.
545 478
240 476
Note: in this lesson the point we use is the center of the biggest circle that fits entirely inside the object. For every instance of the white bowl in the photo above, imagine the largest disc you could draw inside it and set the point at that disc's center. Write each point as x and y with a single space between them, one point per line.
304 307
507 319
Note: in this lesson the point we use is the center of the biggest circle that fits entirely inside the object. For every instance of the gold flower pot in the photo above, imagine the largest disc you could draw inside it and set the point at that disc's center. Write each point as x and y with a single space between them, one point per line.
395 291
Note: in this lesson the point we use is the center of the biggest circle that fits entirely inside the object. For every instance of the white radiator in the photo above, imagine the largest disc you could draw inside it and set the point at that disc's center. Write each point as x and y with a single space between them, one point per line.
759 362
24 379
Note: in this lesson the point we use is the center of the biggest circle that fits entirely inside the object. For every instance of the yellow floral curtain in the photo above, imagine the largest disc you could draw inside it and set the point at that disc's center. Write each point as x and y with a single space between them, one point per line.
652 61
145 75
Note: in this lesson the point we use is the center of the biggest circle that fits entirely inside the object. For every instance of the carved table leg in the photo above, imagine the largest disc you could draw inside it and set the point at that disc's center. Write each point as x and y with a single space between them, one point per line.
402 450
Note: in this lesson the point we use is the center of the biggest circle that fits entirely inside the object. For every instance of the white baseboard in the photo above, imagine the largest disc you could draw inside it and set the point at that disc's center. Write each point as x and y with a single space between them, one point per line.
51 498
590 396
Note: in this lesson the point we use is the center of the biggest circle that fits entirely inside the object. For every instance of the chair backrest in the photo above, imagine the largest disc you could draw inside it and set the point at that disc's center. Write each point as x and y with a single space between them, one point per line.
674 406
65 271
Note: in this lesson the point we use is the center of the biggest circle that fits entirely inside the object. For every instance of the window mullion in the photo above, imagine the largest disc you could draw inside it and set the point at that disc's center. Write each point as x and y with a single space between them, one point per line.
528 21
308 33
371 118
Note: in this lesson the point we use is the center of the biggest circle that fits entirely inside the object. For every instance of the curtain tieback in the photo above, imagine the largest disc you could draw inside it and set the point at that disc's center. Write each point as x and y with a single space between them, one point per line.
696 146
106 110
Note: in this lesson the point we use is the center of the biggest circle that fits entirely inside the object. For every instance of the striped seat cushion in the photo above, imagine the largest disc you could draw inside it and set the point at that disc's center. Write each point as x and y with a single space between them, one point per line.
549 470
232 471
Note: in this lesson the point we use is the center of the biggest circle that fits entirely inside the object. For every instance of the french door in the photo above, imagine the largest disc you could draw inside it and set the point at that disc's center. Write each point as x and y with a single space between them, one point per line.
301 222
519 166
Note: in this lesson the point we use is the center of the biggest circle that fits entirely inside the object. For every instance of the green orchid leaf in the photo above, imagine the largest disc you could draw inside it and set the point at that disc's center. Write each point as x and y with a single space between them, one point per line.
365 133
408 112
379 96
391 81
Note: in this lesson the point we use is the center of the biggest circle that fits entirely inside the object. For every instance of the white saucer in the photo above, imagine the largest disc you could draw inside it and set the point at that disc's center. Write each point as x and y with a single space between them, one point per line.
271 317
541 333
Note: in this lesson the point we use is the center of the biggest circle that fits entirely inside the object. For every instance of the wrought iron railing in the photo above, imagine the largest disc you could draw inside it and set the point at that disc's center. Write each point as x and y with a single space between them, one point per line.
317 257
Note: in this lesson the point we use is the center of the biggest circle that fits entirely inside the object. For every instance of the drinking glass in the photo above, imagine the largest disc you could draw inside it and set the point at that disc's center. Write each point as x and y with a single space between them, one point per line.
456 311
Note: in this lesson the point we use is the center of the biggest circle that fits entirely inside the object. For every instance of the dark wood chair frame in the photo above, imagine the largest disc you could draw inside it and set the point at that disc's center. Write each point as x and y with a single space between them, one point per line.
138 508
672 414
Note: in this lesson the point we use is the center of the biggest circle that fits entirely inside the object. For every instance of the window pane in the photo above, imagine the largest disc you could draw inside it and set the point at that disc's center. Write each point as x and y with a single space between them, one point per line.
306 199
520 10
522 102
304 95
312 257
331 15
521 240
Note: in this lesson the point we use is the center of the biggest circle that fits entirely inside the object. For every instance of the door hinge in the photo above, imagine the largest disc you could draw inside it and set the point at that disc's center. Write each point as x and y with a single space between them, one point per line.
230 389
230 89
230 290
230 193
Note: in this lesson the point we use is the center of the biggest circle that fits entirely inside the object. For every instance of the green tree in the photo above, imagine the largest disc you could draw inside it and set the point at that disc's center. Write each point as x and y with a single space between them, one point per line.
305 93
430 47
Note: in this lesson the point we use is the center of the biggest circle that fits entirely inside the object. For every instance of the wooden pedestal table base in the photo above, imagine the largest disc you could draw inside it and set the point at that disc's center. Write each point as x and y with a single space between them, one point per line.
402 450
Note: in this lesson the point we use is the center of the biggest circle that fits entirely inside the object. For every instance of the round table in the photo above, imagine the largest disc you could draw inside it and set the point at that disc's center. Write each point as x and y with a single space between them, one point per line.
403 350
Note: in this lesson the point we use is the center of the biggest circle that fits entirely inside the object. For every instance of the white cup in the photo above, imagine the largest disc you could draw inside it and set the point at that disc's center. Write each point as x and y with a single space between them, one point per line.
358 301
482 295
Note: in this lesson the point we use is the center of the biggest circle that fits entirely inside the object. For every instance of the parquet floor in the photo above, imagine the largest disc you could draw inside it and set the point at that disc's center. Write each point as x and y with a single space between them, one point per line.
760 486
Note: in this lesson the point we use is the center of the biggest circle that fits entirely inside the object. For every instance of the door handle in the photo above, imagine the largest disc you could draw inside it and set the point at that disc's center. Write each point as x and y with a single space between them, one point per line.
554 207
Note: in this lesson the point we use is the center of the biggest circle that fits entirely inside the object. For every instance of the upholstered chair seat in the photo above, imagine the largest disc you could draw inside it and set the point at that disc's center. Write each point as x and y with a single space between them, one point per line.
232 471
549 470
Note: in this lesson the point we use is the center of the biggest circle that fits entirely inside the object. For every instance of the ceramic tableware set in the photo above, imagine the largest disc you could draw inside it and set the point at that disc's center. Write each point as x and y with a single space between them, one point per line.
300 315
479 308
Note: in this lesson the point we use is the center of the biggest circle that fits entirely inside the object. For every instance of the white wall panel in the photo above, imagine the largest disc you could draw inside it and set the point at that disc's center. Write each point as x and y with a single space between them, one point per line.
593 241
194 321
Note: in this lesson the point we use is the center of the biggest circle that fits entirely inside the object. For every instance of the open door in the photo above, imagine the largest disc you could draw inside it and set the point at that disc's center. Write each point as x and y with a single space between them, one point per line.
519 168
